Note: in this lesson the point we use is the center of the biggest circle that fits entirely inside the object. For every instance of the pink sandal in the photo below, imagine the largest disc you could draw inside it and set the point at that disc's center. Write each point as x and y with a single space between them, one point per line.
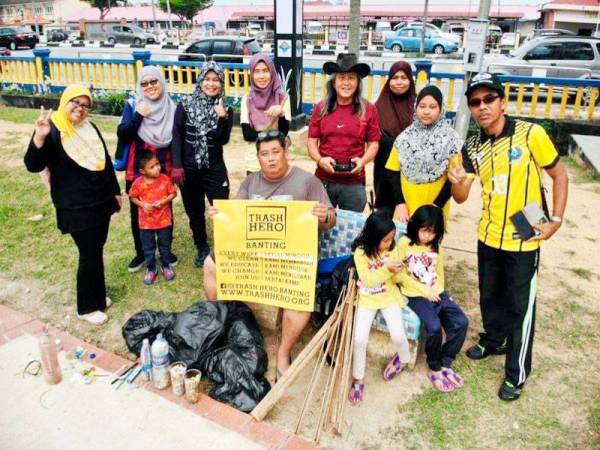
454 378
446 387
393 368
356 393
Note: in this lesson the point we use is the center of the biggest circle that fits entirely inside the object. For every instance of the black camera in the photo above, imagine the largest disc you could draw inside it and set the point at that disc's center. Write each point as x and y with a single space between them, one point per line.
344 167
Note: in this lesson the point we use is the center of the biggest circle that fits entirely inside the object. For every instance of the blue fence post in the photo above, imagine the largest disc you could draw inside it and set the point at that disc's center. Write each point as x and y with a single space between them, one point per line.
423 67
141 58
41 63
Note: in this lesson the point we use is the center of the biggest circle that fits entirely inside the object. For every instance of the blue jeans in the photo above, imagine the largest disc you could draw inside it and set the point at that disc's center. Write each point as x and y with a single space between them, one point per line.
446 315
164 236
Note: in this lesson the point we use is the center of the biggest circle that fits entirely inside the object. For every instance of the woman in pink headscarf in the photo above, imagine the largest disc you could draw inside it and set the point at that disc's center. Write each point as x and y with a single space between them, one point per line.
267 107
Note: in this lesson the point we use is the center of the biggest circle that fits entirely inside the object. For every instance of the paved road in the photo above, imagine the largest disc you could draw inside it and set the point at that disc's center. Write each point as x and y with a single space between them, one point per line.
384 62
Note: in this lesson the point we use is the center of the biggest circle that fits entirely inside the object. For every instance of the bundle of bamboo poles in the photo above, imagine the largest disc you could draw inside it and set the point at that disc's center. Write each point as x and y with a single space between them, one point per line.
335 338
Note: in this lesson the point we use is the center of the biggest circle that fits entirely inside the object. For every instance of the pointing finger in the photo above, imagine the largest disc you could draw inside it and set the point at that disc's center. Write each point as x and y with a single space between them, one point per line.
42 112
49 113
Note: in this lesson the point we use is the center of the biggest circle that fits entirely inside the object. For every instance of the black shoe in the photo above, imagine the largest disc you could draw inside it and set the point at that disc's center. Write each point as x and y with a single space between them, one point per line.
136 264
175 260
509 392
202 254
479 351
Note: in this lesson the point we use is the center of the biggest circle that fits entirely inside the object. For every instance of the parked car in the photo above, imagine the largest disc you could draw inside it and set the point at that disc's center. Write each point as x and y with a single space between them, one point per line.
562 57
223 49
408 39
226 49
508 40
381 31
117 33
454 28
431 27
545 32
314 28
15 37
265 35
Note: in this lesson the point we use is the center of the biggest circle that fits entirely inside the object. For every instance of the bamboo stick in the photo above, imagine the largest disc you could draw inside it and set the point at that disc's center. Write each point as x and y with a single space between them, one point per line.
320 363
275 394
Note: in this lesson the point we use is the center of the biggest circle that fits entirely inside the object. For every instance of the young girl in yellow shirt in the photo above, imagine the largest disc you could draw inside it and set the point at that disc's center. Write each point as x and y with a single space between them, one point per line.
379 269
424 287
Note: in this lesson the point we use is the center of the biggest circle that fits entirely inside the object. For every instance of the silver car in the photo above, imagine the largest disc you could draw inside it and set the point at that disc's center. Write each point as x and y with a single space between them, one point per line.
551 57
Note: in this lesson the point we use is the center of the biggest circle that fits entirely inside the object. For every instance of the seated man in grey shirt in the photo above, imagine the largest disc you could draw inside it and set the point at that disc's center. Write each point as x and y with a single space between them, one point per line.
277 180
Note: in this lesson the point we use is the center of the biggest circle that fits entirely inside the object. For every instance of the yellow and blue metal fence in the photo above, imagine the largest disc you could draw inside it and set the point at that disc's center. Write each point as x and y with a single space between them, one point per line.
550 98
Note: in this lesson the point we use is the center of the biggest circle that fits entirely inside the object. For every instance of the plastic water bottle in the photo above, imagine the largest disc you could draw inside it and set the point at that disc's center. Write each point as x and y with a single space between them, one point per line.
160 362
146 360
49 357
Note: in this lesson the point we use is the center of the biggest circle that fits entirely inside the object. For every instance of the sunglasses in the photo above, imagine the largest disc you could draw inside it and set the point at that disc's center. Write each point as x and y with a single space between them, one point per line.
269 134
83 106
145 84
475 102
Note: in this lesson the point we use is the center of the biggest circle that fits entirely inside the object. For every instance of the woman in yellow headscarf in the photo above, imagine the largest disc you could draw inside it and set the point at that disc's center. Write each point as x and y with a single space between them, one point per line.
84 190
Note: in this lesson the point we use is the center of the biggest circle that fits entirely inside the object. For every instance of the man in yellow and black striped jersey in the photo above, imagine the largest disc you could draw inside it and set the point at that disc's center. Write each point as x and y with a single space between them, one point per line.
508 156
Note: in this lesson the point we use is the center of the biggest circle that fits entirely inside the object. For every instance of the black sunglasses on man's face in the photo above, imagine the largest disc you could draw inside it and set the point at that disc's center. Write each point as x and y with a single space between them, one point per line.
488 99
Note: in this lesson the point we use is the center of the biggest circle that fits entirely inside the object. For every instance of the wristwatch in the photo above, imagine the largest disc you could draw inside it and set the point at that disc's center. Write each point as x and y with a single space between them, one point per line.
556 219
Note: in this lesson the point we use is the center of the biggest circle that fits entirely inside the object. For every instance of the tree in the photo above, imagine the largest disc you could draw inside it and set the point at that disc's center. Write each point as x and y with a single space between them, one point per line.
102 5
355 32
185 9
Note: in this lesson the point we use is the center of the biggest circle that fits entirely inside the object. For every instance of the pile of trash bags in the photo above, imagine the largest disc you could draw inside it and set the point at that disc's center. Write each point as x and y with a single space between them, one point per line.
221 339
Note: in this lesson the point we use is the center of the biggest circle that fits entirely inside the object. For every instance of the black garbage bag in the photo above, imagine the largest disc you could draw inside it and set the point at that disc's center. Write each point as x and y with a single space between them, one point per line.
145 324
221 339
237 369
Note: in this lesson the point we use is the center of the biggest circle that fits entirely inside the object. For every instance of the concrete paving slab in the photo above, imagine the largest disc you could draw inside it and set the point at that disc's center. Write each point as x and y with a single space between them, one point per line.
590 149
72 415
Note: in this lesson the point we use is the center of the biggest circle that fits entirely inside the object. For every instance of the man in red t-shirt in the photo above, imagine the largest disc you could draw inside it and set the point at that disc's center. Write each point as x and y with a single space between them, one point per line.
343 134
153 193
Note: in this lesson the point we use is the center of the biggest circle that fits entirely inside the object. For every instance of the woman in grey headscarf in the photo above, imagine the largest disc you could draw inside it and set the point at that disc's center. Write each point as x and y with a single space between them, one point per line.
202 127
147 123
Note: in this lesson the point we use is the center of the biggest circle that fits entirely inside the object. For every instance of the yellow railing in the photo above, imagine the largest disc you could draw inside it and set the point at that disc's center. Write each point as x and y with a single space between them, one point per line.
564 98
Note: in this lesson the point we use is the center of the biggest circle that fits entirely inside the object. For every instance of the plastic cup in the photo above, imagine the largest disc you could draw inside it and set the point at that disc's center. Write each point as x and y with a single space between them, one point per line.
192 385
177 372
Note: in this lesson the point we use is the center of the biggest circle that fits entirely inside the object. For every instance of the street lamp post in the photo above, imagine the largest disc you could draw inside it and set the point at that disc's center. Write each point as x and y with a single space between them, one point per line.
422 45
169 13
154 19
463 116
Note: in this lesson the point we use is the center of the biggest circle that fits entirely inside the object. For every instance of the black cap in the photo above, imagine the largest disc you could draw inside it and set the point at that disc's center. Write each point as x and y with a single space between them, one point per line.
485 79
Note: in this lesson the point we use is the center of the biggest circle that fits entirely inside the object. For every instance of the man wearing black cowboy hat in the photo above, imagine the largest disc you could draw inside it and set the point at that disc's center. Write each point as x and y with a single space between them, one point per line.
507 155
343 133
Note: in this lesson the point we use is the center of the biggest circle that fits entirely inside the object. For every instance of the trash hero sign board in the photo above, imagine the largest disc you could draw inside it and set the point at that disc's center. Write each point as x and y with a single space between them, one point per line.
266 252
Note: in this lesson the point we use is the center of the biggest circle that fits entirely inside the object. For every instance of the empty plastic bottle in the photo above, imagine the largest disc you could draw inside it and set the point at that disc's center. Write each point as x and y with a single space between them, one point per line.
160 362
146 360
49 357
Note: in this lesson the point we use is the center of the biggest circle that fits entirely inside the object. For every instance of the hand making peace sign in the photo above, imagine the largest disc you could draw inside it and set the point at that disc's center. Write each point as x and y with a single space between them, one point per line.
42 127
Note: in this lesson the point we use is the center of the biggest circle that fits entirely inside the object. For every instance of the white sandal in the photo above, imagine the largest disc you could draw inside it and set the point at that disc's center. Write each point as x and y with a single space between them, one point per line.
95 318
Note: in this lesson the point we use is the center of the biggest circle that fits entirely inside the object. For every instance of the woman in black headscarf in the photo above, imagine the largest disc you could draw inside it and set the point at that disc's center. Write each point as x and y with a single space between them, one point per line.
395 106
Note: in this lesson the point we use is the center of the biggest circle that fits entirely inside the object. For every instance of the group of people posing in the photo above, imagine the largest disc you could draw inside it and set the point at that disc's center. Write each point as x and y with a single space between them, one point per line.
420 162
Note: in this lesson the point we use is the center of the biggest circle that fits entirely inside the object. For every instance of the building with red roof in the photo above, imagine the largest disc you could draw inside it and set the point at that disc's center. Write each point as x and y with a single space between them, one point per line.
579 16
